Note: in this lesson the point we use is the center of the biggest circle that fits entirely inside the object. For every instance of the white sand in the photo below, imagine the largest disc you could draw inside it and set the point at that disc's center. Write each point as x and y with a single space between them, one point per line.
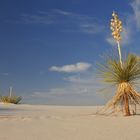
36 122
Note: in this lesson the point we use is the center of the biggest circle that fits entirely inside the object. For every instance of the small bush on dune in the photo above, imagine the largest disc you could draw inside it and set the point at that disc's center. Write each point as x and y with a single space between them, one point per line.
11 99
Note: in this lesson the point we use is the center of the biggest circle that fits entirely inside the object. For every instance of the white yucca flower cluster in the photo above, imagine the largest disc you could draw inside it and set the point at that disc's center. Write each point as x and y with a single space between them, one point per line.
116 27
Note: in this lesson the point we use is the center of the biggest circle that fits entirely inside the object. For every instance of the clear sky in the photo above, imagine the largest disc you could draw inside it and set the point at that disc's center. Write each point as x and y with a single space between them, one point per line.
49 48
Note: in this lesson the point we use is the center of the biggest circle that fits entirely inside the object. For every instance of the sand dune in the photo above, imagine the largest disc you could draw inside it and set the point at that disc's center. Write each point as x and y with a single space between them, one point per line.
38 122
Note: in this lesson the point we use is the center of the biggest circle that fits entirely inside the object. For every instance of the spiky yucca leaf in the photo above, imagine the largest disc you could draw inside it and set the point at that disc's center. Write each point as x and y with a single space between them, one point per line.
112 72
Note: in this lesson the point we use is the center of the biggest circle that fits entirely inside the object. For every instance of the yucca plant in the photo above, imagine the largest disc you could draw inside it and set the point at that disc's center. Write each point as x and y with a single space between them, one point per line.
121 73
11 99
124 78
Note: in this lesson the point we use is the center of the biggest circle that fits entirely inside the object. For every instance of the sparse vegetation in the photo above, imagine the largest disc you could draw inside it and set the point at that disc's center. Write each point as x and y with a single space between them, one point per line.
11 99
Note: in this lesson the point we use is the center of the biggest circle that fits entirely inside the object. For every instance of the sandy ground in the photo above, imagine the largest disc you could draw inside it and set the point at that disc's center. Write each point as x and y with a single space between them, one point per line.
36 122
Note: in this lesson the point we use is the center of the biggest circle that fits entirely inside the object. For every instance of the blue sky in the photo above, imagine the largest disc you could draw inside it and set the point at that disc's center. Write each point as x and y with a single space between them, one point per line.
49 48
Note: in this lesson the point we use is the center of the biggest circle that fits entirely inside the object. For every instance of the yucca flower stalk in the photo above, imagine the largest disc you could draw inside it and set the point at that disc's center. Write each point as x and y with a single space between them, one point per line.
122 74
116 27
